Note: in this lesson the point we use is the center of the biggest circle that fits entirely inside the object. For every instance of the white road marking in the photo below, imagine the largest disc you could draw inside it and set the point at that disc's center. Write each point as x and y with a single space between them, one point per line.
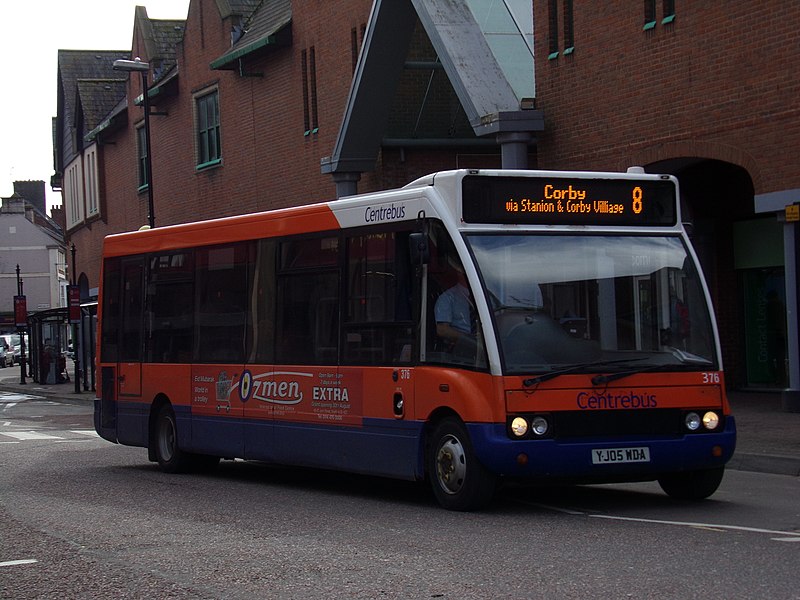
786 536
14 397
89 432
30 435
13 563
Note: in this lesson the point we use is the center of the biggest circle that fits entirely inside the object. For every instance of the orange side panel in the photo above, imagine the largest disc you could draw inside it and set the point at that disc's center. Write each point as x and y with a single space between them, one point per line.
476 397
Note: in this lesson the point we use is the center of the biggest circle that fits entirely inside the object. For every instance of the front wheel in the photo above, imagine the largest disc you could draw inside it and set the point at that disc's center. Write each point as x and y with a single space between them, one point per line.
459 480
692 485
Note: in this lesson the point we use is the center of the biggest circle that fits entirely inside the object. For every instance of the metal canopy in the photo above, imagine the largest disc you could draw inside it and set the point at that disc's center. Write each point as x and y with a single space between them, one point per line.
485 63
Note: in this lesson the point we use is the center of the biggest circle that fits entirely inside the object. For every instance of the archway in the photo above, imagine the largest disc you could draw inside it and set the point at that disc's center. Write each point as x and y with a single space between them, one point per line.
742 256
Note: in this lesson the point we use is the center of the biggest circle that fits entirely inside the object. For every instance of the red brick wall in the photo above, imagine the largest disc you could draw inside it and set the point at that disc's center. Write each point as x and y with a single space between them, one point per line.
267 161
719 82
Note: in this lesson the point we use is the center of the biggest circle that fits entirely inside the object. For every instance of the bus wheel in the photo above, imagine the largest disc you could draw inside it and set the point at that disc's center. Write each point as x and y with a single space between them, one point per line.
170 457
692 485
458 480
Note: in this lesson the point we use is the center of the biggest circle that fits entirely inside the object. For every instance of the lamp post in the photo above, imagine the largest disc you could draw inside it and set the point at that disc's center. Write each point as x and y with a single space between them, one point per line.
75 327
21 317
136 65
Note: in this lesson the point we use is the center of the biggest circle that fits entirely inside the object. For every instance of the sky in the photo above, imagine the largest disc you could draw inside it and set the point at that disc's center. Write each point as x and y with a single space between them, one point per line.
30 37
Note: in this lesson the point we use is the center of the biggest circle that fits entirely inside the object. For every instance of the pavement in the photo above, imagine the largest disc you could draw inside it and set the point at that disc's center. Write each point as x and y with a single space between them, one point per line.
768 437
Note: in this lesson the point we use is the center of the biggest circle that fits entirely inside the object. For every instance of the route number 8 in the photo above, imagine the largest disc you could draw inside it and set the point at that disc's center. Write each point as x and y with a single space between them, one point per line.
637 200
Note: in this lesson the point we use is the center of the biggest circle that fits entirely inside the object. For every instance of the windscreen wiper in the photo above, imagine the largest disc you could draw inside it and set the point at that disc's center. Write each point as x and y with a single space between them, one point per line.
574 368
601 379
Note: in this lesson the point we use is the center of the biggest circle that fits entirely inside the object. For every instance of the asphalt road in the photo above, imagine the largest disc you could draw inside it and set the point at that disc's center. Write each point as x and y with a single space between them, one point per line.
83 518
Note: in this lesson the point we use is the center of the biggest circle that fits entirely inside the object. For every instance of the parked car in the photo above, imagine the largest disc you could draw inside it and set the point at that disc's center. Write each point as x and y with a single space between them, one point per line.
11 341
6 358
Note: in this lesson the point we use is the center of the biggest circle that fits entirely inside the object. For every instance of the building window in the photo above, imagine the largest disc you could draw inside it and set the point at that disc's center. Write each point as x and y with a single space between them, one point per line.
649 14
209 149
569 37
669 12
552 29
309 73
92 203
356 42
141 154
73 192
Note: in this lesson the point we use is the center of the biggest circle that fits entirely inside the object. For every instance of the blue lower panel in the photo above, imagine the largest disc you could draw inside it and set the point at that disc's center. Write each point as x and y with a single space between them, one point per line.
573 459
132 422
383 447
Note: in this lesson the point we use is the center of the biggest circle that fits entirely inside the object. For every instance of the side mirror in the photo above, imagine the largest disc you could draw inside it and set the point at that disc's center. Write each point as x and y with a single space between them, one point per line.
418 249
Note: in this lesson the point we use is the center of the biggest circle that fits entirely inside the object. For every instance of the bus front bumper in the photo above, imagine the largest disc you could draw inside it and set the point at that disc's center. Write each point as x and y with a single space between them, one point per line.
600 459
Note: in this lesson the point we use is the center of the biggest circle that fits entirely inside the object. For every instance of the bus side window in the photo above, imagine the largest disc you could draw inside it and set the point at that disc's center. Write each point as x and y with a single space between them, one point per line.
307 323
170 308
221 300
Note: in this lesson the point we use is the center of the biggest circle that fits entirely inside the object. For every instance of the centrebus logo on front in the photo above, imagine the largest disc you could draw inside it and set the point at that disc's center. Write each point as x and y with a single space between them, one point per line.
610 401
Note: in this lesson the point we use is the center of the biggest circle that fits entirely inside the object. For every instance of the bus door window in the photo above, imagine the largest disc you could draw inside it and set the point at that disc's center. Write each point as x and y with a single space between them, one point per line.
132 317
113 301
378 321
453 331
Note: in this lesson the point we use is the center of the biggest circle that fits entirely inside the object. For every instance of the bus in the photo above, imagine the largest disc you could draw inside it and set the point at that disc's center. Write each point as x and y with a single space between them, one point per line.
471 328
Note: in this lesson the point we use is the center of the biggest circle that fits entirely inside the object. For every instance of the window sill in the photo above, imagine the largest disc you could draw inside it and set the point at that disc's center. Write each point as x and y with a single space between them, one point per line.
209 165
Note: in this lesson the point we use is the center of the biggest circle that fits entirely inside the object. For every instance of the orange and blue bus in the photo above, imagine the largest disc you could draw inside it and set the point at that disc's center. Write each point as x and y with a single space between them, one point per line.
470 328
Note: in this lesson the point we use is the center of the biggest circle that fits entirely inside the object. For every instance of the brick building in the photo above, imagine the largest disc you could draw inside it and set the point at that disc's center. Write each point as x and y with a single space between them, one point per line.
707 92
259 105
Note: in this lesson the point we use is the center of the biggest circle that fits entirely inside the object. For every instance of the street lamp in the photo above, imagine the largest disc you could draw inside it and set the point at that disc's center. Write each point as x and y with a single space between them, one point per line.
74 297
143 68
21 317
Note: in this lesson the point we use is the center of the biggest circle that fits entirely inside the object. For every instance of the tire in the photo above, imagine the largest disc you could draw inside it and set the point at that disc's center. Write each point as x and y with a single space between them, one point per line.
170 457
458 480
692 485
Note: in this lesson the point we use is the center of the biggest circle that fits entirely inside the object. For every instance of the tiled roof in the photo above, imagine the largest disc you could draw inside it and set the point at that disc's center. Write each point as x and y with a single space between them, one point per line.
167 34
241 8
269 18
98 97
84 65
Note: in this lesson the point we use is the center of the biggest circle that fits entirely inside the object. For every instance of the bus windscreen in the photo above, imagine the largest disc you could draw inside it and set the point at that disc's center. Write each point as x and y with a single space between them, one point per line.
569 201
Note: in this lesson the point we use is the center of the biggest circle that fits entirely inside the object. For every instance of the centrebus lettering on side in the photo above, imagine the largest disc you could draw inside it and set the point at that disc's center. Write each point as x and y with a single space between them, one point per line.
470 328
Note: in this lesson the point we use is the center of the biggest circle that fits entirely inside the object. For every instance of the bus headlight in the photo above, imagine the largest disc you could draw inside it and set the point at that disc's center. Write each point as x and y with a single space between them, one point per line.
710 420
519 426
540 426
692 421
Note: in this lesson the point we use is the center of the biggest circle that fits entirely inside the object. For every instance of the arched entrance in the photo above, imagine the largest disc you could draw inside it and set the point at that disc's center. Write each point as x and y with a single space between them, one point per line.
742 256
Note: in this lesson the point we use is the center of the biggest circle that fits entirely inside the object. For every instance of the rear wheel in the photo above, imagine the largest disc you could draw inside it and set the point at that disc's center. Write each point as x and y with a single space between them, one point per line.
692 485
458 479
169 455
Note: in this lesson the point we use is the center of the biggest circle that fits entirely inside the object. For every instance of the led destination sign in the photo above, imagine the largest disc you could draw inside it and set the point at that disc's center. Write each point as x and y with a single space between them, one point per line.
568 201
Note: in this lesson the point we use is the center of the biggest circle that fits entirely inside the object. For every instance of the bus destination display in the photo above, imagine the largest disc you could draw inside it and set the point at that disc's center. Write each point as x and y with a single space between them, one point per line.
568 201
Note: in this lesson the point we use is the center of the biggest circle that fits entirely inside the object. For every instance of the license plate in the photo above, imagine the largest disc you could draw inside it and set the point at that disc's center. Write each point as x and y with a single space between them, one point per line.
620 455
